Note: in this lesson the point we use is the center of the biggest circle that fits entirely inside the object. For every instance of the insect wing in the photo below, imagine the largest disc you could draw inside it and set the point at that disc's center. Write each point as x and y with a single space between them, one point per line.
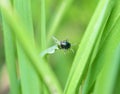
56 40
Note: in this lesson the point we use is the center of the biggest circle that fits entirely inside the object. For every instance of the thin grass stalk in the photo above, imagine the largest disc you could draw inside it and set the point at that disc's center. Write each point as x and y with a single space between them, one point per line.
57 18
43 36
42 68
43 25
10 58
27 84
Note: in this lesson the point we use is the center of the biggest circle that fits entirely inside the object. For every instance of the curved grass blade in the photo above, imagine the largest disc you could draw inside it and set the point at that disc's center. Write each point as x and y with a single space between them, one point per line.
84 52
10 58
41 67
106 81
97 65
27 84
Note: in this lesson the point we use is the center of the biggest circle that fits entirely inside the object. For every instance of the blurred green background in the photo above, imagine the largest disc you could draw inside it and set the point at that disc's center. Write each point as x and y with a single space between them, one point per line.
72 27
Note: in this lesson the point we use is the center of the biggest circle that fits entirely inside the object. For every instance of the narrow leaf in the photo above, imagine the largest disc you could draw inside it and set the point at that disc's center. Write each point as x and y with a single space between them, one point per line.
10 58
85 49
41 67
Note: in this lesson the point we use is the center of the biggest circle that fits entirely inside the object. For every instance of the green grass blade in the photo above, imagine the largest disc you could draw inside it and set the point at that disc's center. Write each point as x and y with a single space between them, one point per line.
27 84
111 44
36 14
10 58
107 78
43 35
117 84
57 18
43 25
98 62
84 52
41 67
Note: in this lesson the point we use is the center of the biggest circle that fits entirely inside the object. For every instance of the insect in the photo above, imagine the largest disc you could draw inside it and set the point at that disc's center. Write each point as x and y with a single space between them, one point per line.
63 44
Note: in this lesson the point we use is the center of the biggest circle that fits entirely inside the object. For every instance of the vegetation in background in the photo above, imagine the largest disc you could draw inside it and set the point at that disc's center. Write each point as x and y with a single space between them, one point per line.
28 27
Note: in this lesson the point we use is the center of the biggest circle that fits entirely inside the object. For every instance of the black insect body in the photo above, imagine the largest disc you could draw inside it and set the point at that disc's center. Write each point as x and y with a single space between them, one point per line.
64 45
